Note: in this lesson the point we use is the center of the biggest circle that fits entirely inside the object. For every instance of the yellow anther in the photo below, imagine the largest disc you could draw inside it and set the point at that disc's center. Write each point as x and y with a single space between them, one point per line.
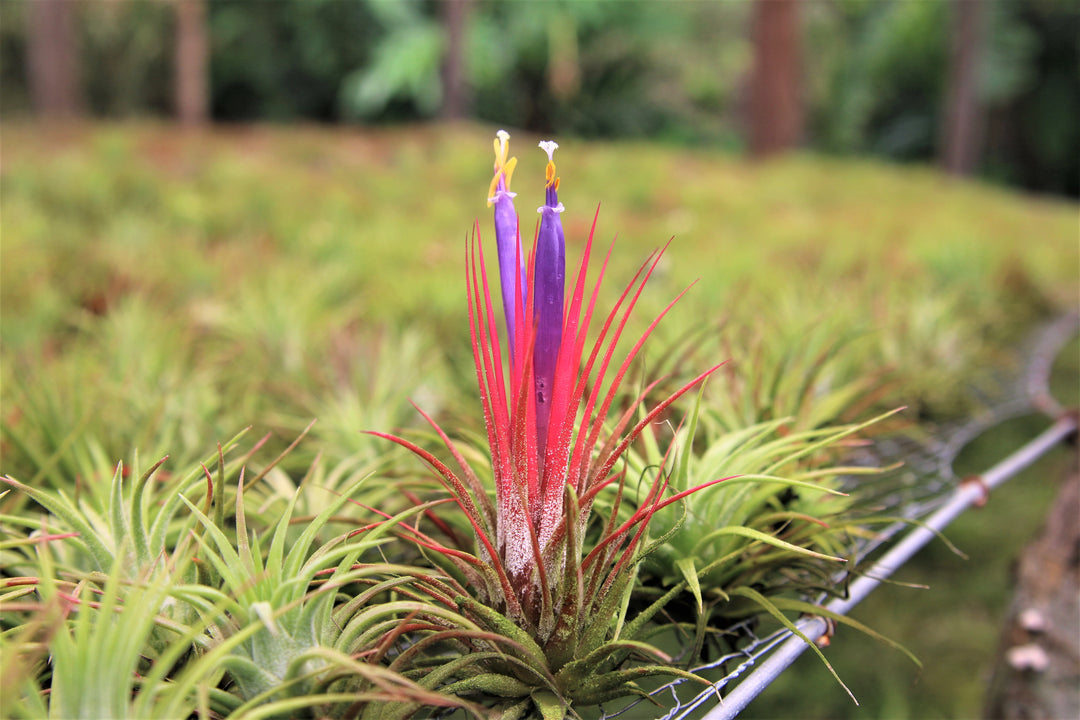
549 174
508 170
503 167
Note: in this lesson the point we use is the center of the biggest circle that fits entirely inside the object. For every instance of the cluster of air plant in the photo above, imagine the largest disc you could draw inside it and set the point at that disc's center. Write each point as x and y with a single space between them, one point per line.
531 586
171 596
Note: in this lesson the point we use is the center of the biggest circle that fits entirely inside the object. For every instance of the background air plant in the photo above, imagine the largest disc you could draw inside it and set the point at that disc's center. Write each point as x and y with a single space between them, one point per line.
98 639
782 524
152 607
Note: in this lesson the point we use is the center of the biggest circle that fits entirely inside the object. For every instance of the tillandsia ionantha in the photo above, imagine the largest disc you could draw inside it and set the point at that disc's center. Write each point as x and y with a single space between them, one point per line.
555 442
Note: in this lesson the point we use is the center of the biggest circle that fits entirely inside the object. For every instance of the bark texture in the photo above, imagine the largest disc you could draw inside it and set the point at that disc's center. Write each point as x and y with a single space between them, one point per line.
53 55
962 131
455 16
1037 676
191 62
776 103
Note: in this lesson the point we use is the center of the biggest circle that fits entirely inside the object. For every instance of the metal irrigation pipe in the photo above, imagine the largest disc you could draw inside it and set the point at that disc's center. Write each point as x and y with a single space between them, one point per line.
970 492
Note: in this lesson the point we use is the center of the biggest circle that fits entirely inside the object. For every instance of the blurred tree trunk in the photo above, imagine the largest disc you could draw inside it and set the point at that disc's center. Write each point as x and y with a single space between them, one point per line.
1037 675
53 58
962 130
776 103
190 63
455 16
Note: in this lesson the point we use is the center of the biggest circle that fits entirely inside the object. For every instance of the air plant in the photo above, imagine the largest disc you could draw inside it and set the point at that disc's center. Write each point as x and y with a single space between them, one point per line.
98 644
774 538
783 523
130 523
281 624
549 573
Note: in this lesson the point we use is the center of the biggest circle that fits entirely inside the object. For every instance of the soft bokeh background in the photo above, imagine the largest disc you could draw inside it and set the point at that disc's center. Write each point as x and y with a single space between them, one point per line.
215 213
984 87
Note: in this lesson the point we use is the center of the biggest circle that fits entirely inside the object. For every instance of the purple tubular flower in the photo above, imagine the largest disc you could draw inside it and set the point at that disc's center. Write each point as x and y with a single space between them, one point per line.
507 239
549 280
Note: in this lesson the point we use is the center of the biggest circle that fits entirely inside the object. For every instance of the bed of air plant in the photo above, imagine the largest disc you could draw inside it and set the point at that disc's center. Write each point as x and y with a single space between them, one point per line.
550 469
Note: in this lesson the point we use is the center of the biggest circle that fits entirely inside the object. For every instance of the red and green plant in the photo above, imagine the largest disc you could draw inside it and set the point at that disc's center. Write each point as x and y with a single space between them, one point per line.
548 571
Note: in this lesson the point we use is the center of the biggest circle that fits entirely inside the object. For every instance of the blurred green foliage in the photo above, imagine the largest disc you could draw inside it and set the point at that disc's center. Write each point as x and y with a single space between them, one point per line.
285 60
878 84
874 71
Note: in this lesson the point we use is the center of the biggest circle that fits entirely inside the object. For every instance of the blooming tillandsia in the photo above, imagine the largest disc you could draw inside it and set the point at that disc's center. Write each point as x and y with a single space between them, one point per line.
553 448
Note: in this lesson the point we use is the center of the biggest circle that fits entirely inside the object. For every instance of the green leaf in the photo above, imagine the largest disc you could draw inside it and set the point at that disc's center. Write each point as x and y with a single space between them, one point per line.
773 610
63 508
504 626
489 684
139 532
811 609
765 538
550 705
689 572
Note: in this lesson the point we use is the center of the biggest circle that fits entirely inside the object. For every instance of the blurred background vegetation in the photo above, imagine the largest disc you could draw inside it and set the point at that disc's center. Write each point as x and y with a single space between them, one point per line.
990 88
163 289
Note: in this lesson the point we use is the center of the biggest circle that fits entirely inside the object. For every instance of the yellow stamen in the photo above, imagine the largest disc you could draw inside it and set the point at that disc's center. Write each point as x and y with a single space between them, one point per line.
503 167
549 174
508 170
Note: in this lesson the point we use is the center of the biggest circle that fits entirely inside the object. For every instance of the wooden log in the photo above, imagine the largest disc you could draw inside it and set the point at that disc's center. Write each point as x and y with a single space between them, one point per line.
1037 674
